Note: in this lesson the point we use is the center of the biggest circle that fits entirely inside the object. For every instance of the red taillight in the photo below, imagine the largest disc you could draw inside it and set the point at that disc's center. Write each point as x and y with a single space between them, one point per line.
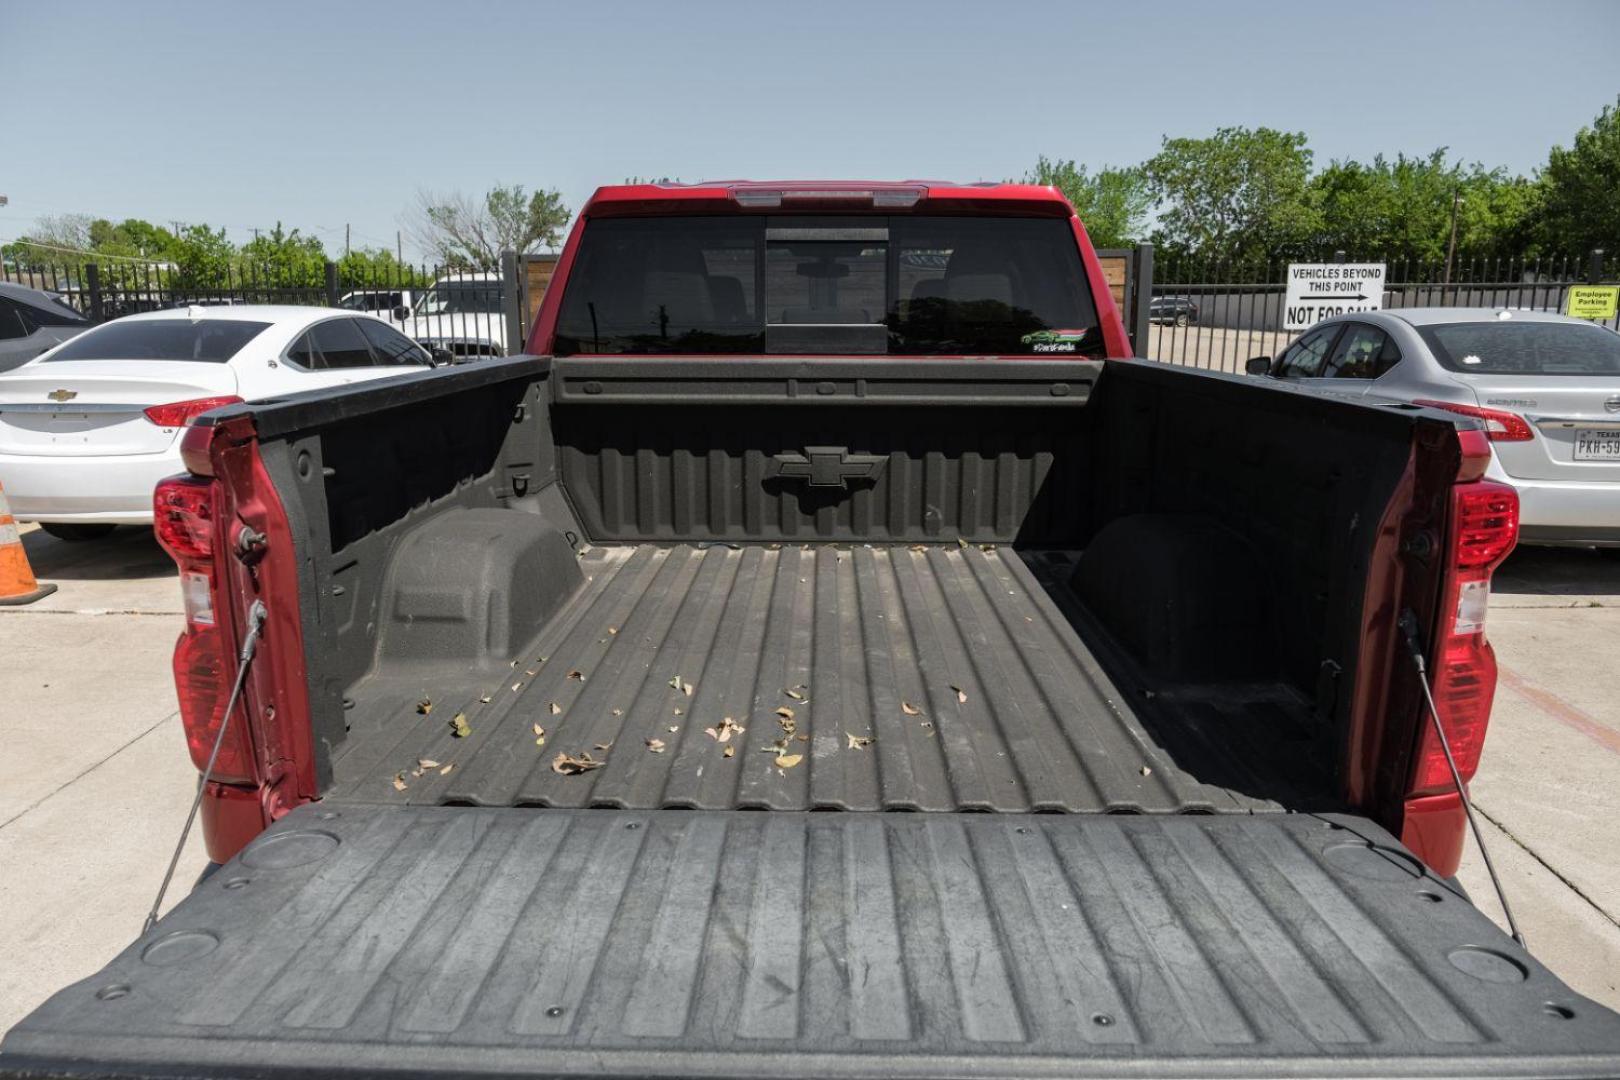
1499 426
183 517
202 676
1484 527
181 413
204 668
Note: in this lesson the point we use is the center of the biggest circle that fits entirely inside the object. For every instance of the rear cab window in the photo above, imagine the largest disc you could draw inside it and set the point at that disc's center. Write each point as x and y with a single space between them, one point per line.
1505 347
212 341
872 284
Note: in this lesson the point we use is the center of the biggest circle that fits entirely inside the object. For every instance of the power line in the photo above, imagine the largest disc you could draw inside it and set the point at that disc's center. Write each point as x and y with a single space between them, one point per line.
25 242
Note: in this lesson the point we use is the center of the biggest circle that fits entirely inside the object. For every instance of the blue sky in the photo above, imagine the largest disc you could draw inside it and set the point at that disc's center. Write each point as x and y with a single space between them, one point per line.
322 114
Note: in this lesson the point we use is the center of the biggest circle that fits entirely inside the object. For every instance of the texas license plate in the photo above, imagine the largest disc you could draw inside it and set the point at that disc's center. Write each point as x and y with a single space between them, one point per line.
1597 444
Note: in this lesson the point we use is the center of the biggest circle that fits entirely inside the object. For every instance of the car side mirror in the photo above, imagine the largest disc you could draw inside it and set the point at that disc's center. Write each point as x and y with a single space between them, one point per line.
1258 365
401 312
441 356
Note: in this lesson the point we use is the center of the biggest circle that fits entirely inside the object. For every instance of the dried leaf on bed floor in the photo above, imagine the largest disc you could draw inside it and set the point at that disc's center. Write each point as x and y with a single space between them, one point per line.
909 709
424 706
857 742
787 761
568 765
554 708
399 782
724 730
655 745
458 726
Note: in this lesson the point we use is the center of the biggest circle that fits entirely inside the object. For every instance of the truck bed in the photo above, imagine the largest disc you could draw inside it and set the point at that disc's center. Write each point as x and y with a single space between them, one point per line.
359 940
964 665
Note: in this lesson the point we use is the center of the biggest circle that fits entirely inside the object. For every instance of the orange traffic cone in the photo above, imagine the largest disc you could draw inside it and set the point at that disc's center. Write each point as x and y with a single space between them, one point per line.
17 584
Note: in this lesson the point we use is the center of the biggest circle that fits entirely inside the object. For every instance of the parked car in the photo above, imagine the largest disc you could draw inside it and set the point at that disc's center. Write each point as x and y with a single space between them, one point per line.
32 321
1546 386
1088 668
89 427
1177 310
379 302
459 313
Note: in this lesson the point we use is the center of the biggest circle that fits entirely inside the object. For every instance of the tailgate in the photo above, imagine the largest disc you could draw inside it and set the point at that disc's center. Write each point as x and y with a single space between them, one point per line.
357 940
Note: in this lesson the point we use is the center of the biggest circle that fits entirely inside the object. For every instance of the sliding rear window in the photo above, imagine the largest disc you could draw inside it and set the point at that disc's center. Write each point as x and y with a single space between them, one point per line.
896 286
208 340
1506 347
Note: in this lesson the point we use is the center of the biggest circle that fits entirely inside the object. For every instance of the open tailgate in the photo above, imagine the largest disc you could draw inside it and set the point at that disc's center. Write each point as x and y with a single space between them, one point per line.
360 940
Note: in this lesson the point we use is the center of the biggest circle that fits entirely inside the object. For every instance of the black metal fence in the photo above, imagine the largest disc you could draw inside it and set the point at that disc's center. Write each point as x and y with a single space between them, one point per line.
468 312
1213 313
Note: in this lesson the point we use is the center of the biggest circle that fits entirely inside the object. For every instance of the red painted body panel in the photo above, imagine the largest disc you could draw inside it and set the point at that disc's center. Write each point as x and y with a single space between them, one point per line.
276 697
720 197
1434 830
231 817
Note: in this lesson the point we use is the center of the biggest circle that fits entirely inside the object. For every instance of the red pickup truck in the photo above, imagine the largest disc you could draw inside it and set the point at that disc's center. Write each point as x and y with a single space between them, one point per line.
829 655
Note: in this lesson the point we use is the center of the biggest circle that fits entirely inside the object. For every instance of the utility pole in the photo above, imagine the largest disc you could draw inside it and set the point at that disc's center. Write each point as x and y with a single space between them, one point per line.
1451 245
345 239
399 248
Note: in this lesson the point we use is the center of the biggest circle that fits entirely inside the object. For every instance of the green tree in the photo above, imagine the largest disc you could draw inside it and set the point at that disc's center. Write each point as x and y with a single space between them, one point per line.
1580 189
464 231
1113 203
286 259
1402 208
1240 193
54 240
131 238
377 267
201 259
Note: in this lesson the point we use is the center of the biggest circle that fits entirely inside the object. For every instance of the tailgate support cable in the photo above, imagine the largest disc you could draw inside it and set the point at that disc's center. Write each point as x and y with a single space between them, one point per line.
1409 627
256 617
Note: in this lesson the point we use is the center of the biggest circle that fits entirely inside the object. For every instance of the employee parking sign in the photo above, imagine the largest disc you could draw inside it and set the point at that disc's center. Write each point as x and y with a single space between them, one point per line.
1318 291
1594 301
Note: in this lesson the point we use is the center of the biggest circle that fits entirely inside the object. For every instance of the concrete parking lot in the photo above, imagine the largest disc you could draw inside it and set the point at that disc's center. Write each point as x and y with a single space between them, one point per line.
95 780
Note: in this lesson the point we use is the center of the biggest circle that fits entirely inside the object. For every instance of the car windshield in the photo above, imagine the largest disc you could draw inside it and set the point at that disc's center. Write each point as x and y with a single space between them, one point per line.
1524 348
461 298
208 340
870 284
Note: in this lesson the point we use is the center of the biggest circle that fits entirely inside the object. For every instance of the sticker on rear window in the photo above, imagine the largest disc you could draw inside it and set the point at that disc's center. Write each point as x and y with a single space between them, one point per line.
1054 341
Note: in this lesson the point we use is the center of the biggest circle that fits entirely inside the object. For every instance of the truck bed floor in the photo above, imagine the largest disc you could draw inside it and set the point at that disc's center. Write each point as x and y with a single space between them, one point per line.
458 941
923 677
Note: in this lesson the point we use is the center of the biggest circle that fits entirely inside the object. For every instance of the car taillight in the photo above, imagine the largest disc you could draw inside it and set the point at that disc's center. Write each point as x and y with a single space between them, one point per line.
1484 527
204 667
181 413
1499 426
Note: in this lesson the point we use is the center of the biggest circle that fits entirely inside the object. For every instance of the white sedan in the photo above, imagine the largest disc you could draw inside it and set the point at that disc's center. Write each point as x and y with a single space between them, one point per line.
88 428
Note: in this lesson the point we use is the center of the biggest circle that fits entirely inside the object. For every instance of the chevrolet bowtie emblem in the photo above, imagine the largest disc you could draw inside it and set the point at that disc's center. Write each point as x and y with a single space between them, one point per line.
62 395
827 466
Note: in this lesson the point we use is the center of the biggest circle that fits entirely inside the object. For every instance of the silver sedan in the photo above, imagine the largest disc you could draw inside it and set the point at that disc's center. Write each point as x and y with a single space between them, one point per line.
1547 388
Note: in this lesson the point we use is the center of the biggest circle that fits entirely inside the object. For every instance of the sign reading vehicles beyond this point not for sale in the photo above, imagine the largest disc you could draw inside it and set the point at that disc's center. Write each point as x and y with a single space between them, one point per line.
1318 291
